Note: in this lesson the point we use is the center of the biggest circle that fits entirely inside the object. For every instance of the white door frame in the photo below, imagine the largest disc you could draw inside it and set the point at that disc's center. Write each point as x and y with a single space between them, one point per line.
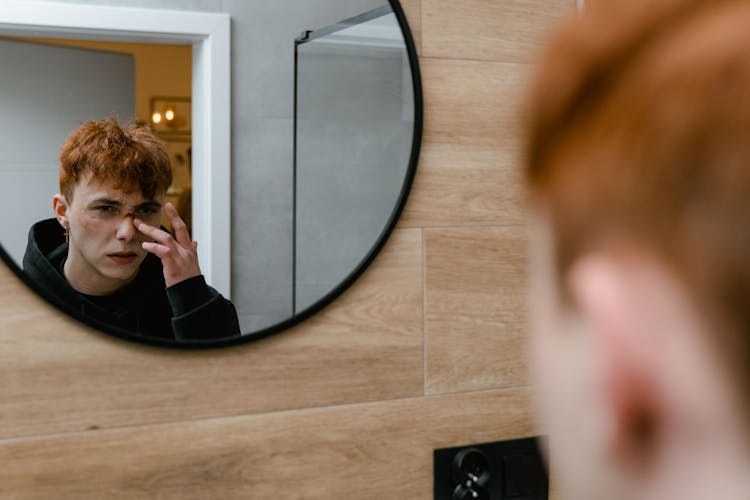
209 35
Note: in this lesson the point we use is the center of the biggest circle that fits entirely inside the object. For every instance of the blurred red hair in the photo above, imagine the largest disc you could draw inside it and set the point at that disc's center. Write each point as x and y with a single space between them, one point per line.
638 133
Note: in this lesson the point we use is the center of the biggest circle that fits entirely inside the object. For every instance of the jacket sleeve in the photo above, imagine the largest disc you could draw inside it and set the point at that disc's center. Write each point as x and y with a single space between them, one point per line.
199 312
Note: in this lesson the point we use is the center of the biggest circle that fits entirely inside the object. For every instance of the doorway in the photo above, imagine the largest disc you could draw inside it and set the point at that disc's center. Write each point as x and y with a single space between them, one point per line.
209 36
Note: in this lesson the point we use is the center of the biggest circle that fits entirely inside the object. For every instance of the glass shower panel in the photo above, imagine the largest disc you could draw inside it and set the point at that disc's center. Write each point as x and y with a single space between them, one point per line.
354 122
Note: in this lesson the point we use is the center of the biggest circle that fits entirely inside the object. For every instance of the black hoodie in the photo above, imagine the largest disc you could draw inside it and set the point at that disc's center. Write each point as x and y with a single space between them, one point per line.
189 310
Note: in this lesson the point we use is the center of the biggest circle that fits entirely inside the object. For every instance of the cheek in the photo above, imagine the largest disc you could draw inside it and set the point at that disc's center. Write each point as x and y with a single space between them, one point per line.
79 223
91 227
557 360
550 365
545 331
91 231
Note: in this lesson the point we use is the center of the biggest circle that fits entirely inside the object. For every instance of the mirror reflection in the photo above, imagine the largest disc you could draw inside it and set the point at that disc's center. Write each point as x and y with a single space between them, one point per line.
321 160
106 256
354 123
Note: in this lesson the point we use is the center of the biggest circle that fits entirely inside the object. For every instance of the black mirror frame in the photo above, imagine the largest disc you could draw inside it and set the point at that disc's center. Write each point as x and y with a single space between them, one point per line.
320 303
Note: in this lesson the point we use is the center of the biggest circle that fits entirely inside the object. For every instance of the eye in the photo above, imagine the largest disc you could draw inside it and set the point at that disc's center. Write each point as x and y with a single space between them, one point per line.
148 210
105 209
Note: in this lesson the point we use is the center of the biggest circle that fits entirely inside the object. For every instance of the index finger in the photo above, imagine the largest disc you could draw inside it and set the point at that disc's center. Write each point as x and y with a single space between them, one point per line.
154 233
180 229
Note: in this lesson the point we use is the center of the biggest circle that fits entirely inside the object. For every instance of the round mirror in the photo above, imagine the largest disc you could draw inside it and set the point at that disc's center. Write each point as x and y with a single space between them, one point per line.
326 128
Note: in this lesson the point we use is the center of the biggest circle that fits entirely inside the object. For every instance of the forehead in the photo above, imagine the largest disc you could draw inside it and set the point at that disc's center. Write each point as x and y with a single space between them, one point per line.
88 189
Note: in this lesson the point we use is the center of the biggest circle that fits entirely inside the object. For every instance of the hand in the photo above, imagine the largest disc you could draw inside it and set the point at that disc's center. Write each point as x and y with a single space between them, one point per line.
178 254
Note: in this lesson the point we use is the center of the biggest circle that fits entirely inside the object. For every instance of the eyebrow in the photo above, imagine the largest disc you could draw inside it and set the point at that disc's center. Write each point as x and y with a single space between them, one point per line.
105 201
118 203
149 204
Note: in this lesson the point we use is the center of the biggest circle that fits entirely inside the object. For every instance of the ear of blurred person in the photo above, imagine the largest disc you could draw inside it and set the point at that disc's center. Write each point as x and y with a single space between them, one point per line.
635 400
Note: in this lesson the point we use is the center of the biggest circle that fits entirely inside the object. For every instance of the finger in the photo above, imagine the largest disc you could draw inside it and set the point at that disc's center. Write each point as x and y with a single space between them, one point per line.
156 234
159 250
180 229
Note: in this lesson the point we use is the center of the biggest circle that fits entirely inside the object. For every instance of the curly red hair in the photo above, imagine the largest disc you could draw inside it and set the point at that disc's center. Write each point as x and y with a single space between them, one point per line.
131 156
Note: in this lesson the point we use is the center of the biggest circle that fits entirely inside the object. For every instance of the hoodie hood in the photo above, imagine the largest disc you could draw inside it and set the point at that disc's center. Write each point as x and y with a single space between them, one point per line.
45 254
43 261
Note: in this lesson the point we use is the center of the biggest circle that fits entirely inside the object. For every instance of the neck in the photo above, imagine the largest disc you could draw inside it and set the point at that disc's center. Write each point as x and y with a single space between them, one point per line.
713 463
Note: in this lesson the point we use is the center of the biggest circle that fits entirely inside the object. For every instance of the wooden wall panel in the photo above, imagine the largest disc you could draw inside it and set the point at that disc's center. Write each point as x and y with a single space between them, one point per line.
475 308
413 11
489 30
370 451
468 170
59 377
420 353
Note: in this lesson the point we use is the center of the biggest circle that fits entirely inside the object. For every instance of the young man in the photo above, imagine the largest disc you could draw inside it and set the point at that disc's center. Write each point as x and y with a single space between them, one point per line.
638 164
104 254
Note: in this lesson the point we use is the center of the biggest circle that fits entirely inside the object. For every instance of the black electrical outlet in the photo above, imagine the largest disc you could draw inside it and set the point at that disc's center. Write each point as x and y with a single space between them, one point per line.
491 471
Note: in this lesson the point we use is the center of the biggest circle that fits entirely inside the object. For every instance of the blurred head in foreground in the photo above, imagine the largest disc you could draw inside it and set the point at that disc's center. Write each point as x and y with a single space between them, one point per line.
638 166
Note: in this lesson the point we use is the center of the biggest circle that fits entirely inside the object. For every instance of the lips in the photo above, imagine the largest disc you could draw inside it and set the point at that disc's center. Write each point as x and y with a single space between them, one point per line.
123 257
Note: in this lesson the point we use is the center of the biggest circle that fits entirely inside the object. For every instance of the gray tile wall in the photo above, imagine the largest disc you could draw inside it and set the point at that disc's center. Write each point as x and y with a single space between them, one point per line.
263 34
354 141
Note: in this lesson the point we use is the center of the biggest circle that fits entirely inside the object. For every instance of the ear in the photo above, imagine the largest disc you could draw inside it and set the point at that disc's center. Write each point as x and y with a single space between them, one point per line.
609 295
60 207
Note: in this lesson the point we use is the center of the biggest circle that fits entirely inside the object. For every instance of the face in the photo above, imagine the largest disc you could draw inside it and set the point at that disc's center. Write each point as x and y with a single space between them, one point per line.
105 251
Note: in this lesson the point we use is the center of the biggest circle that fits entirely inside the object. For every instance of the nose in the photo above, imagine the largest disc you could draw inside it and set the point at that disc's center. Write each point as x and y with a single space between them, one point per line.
125 229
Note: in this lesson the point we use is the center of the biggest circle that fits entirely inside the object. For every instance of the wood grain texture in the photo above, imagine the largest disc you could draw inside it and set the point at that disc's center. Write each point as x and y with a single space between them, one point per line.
334 408
58 376
489 30
413 11
369 451
475 308
469 169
